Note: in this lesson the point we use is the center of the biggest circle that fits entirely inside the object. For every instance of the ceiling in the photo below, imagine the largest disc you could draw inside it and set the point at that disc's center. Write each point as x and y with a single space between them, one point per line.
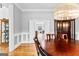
24 6
36 5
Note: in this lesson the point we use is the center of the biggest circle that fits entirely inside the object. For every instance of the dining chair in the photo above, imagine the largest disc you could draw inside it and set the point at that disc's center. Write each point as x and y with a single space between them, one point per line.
43 52
36 41
53 36
36 44
65 37
40 50
50 36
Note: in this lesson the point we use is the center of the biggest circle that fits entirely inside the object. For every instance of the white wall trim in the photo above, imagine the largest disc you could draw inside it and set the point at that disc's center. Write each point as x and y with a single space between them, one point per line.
18 6
17 45
30 10
43 10
22 39
26 39
33 10
11 31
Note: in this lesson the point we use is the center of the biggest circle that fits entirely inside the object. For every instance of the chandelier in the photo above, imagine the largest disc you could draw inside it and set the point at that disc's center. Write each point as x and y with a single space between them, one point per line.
66 11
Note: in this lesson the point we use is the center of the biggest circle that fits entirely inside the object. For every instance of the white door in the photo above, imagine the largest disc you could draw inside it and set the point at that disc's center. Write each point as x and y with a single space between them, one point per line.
42 26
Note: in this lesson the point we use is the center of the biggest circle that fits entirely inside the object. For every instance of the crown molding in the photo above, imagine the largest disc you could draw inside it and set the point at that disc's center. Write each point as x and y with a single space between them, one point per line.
18 7
30 10
33 10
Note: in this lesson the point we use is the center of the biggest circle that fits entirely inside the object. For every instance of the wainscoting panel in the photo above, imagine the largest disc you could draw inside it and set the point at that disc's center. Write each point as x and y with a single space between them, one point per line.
20 38
25 38
17 40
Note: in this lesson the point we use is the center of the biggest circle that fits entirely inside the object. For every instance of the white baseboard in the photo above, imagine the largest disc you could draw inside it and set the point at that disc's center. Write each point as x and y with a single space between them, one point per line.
17 45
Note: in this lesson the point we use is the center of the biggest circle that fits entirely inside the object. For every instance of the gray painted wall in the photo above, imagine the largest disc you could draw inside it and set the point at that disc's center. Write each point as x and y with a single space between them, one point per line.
21 19
35 15
77 25
17 20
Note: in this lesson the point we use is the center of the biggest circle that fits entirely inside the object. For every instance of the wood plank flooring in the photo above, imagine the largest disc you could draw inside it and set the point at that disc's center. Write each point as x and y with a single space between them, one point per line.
4 48
25 49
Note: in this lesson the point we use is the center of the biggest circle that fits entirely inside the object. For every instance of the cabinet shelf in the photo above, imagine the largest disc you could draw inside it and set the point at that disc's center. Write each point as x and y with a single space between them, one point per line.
5 29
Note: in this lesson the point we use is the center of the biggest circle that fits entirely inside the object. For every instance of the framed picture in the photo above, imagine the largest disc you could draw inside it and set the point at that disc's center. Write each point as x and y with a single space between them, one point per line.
39 27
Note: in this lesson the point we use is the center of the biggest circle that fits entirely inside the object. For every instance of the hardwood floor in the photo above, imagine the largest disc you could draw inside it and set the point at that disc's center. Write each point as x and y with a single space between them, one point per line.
25 50
4 49
61 48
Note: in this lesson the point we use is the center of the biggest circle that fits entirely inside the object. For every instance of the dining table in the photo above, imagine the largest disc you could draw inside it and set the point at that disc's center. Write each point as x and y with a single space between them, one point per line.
60 48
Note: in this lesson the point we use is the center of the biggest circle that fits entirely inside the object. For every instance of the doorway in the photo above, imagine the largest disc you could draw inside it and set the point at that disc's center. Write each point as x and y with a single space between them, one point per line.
66 29
42 26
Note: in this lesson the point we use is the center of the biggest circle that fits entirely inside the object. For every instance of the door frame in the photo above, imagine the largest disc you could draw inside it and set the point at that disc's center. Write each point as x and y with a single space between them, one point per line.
32 28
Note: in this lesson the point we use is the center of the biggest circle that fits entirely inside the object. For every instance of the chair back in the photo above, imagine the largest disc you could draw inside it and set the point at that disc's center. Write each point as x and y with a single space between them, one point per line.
43 52
39 49
50 36
36 41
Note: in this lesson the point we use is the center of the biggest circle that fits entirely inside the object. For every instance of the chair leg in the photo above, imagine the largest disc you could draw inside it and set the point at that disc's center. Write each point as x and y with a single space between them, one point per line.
38 53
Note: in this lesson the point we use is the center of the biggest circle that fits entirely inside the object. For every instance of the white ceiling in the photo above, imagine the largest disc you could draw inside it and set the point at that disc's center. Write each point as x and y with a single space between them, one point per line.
36 5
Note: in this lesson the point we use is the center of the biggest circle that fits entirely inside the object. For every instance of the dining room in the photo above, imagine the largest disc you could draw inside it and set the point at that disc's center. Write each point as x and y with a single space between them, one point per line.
64 41
45 29
41 29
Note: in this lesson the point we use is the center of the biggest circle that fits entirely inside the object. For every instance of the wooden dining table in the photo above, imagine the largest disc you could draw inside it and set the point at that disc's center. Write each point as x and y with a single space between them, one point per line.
60 48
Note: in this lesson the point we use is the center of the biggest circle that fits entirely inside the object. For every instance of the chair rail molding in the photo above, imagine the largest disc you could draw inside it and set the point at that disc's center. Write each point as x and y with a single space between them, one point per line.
20 38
